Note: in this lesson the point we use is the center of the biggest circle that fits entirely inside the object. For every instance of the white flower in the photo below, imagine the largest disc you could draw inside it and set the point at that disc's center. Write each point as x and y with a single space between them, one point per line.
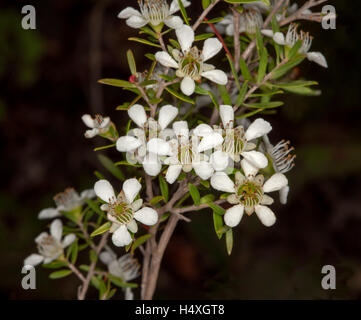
292 37
190 62
154 12
126 268
98 125
122 210
151 136
248 194
282 161
235 142
184 155
68 200
50 247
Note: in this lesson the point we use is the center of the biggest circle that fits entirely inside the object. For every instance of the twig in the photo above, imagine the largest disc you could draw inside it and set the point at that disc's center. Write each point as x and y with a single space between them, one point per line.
75 271
195 208
84 289
237 45
204 14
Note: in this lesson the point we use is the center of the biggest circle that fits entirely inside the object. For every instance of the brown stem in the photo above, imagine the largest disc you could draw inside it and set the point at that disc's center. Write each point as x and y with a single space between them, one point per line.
237 45
204 14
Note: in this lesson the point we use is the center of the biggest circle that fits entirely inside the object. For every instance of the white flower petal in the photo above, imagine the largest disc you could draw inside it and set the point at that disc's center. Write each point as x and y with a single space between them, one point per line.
248 168
185 36
256 158
174 6
68 240
137 204
158 146
166 60
138 115
56 229
136 22
276 182
131 188
267 33
210 141
132 226
151 164
128 12
284 194
173 173
40 237
173 22
221 182
279 38
233 215
107 257
91 133
258 128
129 295
266 215
187 86
127 143
147 216
121 237
181 128
33 260
87 194
227 114
203 130
49 213
219 160
203 169
104 190
210 48
166 115
318 58
217 76
88 120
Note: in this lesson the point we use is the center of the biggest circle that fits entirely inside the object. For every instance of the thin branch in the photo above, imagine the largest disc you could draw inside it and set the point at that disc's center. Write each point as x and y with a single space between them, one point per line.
75 271
204 14
237 45
195 208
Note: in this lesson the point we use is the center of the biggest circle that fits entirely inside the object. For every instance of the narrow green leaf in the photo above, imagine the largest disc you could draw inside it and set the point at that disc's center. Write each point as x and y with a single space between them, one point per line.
111 167
287 66
229 241
131 62
120 283
203 36
117 83
144 41
179 95
156 200
218 224
207 198
244 69
262 65
55 264
194 194
163 188
224 94
217 209
103 228
184 12
60 274
138 242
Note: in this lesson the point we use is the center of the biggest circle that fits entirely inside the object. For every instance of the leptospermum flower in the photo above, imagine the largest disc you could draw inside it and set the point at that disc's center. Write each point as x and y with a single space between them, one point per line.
290 40
97 125
154 12
282 161
122 210
190 62
50 246
248 194
236 141
126 268
151 136
184 155
68 200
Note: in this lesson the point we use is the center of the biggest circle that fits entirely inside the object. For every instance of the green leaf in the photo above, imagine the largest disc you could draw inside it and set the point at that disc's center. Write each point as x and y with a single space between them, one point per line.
244 69
265 105
120 283
105 147
111 167
60 274
218 224
74 251
207 198
163 188
294 84
179 95
259 42
217 209
183 11
294 49
156 200
224 94
205 4
213 21
103 228
147 42
229 241
138 242
194 194
117 83
242 94
131 62
287 66
55 264
126 163
93 205
262 65
243 1
203 36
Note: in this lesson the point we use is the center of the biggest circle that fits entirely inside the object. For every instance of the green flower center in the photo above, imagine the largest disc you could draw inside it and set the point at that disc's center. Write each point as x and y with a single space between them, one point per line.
249 193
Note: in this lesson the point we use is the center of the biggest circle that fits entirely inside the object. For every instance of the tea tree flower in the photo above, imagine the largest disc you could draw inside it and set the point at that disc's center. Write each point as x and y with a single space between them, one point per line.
236 141
150 135
184 155
123 209
292 37
50 246
126 268
69 200
99 126
282 161
154 12
248 194
190 61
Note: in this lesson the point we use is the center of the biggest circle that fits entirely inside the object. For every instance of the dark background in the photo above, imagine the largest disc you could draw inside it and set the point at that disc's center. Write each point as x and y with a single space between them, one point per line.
48 80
